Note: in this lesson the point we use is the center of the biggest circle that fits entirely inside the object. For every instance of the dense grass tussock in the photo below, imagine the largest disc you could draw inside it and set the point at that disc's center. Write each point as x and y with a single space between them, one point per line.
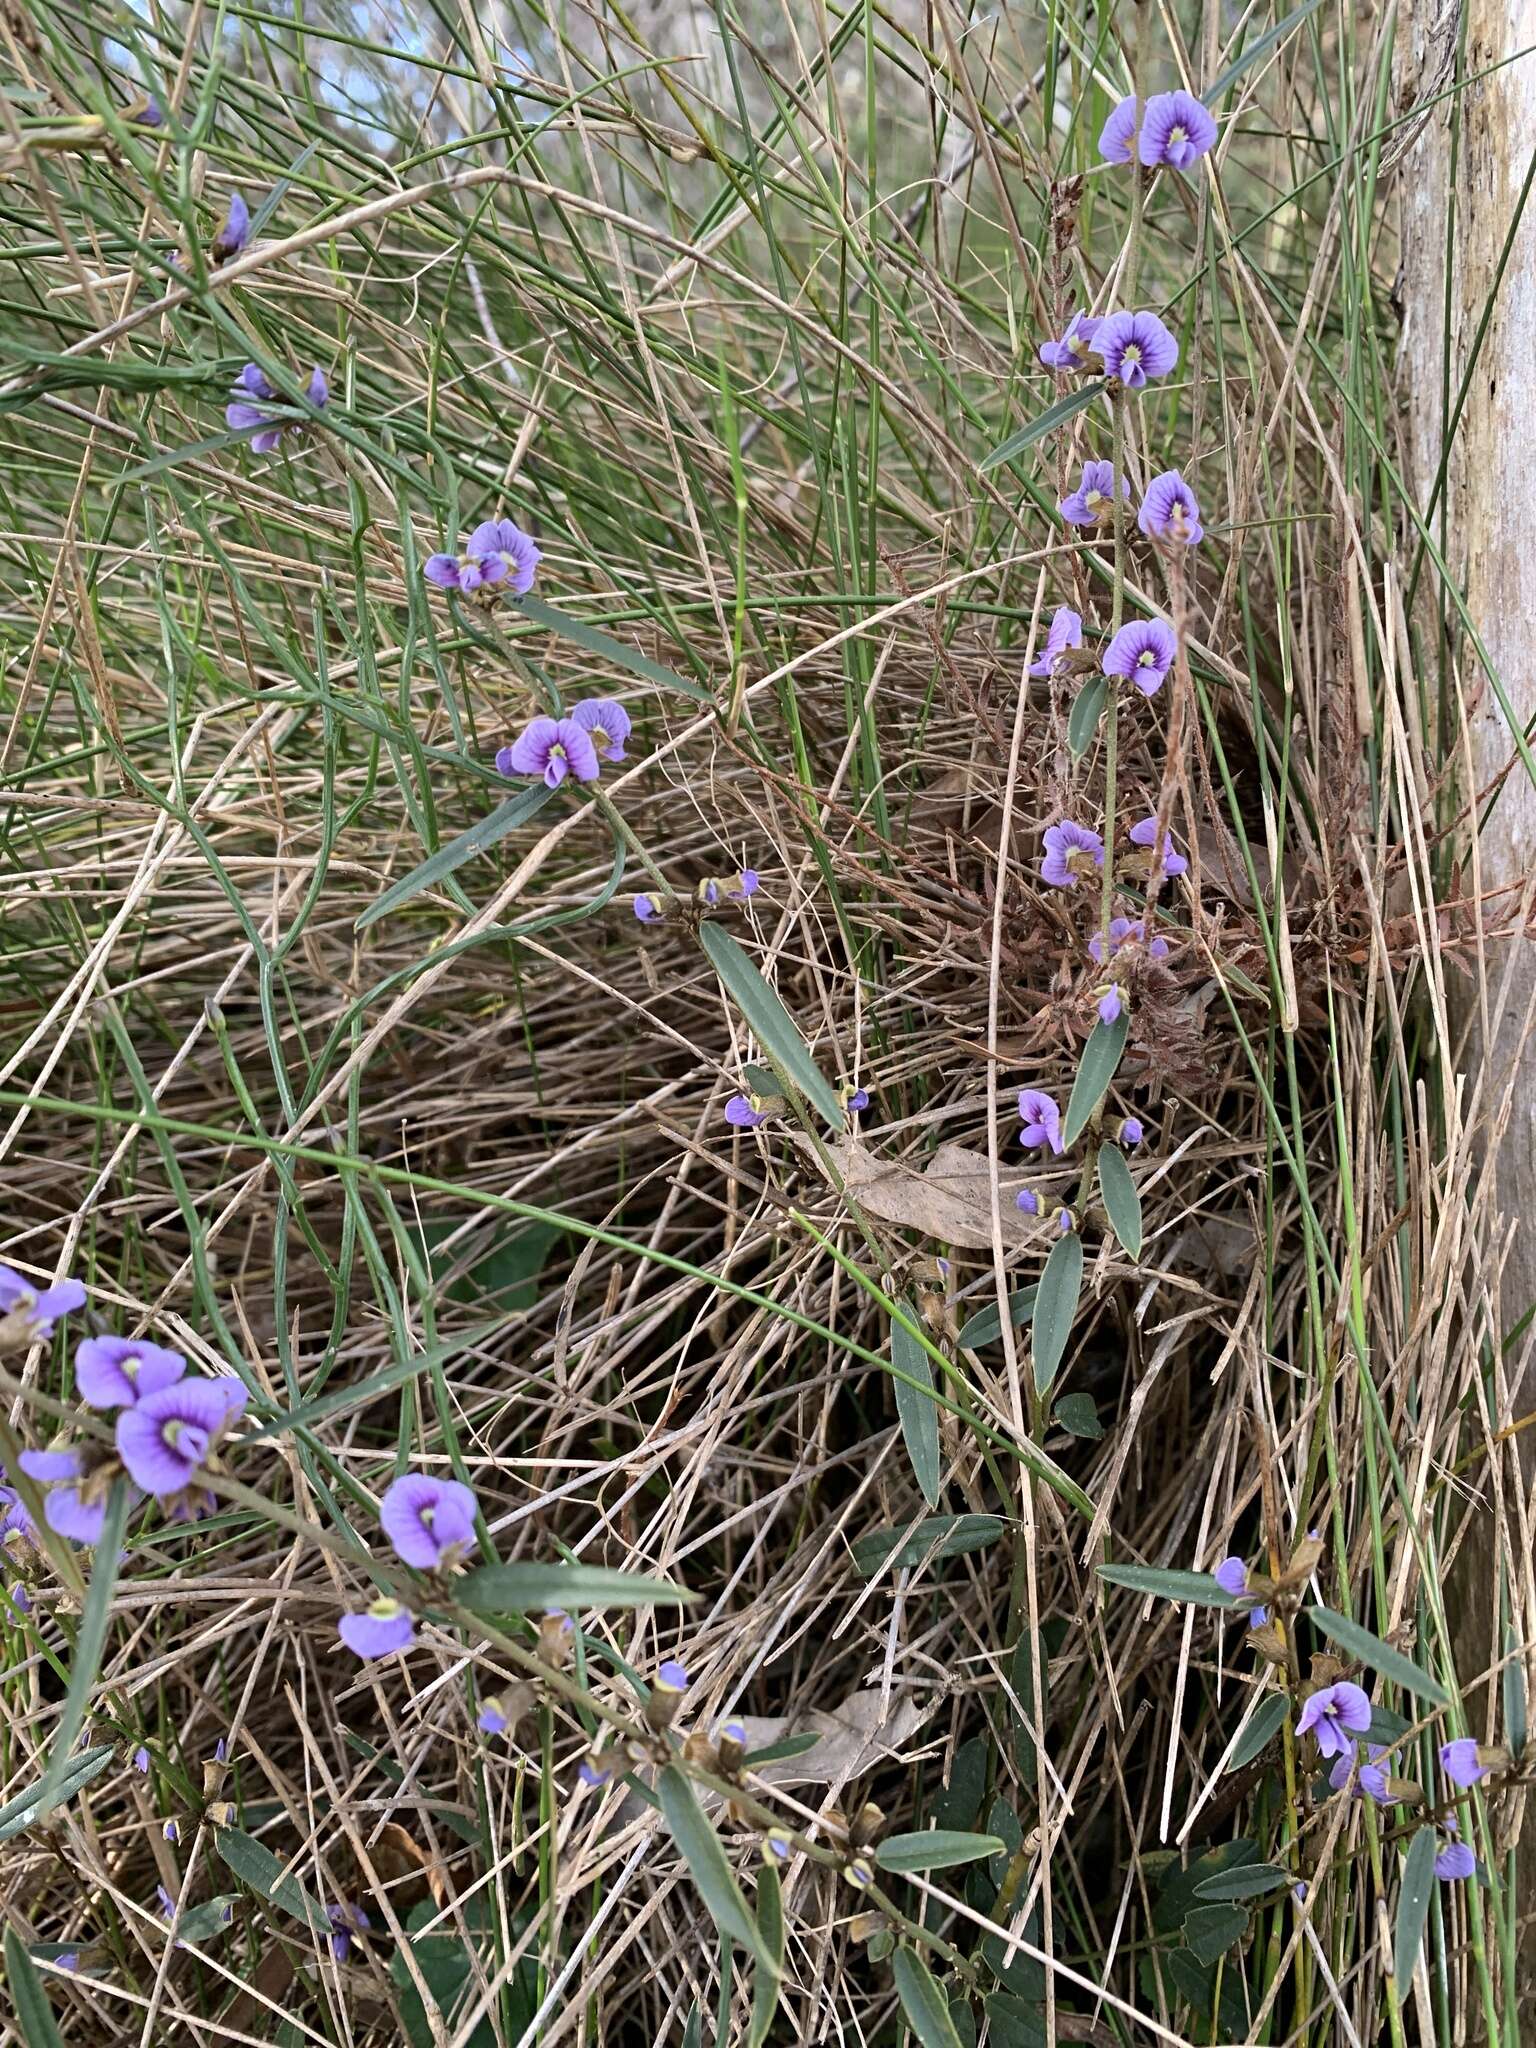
736 314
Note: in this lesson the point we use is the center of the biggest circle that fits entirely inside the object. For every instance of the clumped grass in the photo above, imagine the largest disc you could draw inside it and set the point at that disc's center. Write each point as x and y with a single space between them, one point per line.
733 309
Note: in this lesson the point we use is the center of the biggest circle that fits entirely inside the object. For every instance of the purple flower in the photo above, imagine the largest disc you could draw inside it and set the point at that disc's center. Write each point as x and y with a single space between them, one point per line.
236 231
856 1099
1094 499
65 1509
1123 932
165 1438
492 1717
167 1903
427 1520
172 1831
1066 1222
646 909
19 1598
591 1773
252 392
746 885
1132 1131
68 1961
553 748
498 553
608 723
38 1307
1116 135
1135 346
117 1372
1455 1863
1071 352
1332 1714
1459 1761
1066 630
1371 1779
150 115
1232 1573
671 1677
1142 651
742 1110
1027 1200
383 1627
1170 511
1144 833
141 1759
1069 848
1041 1117
14 1519
346 1920
1175 130
1111 1003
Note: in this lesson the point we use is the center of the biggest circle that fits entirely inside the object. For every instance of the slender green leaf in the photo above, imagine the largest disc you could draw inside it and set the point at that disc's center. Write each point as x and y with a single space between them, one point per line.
923 2001
1078 1414
707 1865
1056 1310
90 1641
938 1536
595 641
1083 718
986 1326
1259 47
1044 423
1026 1719
1248 1881
495 825
521 1588
1095 1071
206 1922
1261 1730
786 1746
1380 1656
934 1849
1122 1204
770 1023
1515 1727
918 1412
1198 1588
693 2026
770 1928
19 1812
1418 1889
254 1864
29 2001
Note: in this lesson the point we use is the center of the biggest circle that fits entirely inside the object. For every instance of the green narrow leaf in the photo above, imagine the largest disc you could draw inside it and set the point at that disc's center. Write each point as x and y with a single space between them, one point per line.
90 1641
29 2001
770 1928
938 1536
1248 1881
1044 423
1260 47
18 1813
1122 1204
693 2026
786 1746
1198 1588
707 1865
208 1921
520 1588
1349 1635
1096 1069
602 644
926 2007
1261 1730
1078 1415
1515 1728
770 1023
1083 718
1056 1310
934 1849
917 1411
1413 1907
254 1864
1022 1678
517 810
986 1326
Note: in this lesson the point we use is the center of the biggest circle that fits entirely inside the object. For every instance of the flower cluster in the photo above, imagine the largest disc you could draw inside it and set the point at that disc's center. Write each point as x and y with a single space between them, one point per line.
497 556
713 891
246 412
1132 347
592 732
1174 130
430 1523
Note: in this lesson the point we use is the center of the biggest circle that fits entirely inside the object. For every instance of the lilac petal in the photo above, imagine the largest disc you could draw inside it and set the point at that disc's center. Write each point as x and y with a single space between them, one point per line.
739 1111
115 1372
61 1299
1232 1576
857 1099
49 1466
1115 136
1132 1131
1176 131
1066 630
235 232
580 753
1353 1706
252 380
607 722
164 1439
424 1518
1455 1863
268 439
1027 1200
645 909
671 1676
443 570
68 1515
317 391
529 753
379 1630
1459 1762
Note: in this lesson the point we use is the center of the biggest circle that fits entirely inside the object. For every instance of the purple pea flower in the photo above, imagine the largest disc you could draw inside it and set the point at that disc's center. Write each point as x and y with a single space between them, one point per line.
1459 1761
1143 652
236 231
856 1099
253 391
167 1903
1118 131
1455 1863
492 1717
427 1520
1333 1713
65 1508
1111 1003
552 748
1071 352
14 1519
1066 1222
742 1110
1171 512
1232 1573
150 115
608 723
1094 499
1175 131
1144 833
164 1439
1070 847
38 1308
172 1831
1370 1780
1027 1200
383 1627
1066 630
19 1598
498 553
747 883
117 1372
141 1760
1132 1131
591 1773
1135 346
346 1921
1040 1115
1123 932
647 909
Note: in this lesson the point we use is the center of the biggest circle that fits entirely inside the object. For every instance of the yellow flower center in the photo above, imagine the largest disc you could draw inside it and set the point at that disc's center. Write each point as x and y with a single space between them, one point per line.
1177 134
1131 354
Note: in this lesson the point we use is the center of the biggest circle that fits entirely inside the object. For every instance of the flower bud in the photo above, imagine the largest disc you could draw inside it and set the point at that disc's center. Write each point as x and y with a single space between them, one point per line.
666 1695
731 1743
868 1825
555 1637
